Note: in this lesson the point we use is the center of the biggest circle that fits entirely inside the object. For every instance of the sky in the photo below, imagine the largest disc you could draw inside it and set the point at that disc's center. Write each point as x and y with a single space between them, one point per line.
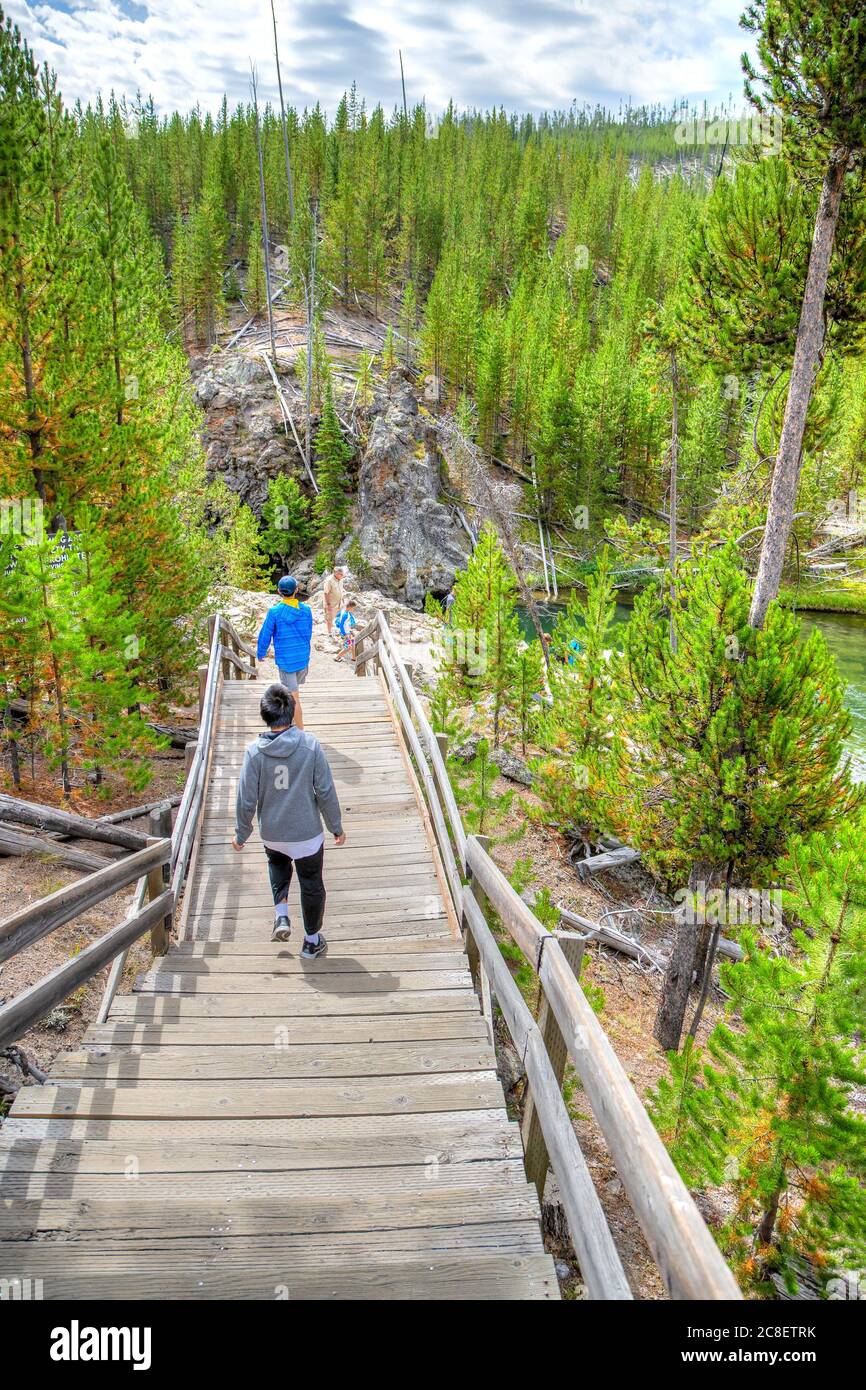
525 55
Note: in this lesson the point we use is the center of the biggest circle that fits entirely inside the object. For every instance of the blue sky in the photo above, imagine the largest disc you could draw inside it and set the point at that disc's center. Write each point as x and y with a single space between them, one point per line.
528 55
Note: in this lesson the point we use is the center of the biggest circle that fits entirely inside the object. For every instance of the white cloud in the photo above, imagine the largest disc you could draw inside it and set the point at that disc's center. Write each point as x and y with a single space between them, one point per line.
526 56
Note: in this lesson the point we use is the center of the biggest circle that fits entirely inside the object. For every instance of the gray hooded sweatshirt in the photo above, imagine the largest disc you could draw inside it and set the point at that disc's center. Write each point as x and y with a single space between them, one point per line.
286 778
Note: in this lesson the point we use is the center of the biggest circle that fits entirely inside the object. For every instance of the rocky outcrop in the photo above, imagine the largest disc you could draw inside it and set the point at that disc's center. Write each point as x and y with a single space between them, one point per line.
246 443
409 544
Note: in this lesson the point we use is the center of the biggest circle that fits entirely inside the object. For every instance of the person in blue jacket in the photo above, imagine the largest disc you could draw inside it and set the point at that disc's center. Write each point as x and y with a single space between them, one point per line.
289 625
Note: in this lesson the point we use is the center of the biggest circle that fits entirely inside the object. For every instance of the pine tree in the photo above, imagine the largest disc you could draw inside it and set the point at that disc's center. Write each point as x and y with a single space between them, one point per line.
554 446
503 641
528 687
98 652
255 292
482 808
43 370
21 647
49 621
408 322
477 593
246 561
288 527
389 353
768 1106
578 779
736 742
331 507
365 386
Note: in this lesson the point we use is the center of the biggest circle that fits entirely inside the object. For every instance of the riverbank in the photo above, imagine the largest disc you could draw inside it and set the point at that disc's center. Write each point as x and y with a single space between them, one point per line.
846 596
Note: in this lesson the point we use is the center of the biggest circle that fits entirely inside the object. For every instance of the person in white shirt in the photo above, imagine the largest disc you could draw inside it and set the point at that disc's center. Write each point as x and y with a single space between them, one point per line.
332 592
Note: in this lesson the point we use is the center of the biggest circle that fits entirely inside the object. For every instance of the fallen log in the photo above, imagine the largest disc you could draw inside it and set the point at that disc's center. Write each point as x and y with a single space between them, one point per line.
136 812
608 859
178 735
77 827
11 843
617 940
629 946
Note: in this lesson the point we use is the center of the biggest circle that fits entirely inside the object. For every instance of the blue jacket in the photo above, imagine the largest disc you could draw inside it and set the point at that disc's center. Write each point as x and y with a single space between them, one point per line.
290 627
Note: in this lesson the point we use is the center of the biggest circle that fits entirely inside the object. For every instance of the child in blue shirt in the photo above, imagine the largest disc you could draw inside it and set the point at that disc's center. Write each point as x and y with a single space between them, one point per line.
344 625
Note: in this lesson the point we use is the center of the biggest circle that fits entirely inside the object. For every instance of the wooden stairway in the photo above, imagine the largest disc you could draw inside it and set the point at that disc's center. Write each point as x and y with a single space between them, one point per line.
244 1126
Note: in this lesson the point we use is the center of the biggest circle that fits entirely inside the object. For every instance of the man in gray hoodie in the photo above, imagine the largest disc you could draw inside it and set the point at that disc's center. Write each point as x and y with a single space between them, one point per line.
285 778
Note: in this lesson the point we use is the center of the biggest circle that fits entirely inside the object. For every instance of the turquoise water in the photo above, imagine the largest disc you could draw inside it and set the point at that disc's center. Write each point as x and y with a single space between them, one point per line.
846 637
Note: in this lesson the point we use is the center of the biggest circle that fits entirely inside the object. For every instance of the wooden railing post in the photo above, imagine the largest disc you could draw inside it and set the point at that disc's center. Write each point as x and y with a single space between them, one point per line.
476 965
189 750
202 687
536 1158
160 829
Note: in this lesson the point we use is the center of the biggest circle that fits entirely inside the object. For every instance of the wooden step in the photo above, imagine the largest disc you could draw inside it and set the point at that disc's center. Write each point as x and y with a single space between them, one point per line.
473 1275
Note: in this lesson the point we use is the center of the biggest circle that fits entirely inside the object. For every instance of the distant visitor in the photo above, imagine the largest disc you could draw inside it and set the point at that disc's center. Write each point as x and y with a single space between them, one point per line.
289 625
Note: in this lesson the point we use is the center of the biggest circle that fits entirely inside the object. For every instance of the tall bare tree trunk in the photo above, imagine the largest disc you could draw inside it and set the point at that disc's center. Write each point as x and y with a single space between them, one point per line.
688 952
807 354
289 181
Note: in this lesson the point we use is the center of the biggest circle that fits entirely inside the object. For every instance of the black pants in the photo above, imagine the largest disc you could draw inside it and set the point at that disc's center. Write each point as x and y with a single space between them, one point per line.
309 880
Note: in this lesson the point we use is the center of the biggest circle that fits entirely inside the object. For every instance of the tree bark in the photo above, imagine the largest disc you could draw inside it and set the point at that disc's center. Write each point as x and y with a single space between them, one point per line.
690 945
807 355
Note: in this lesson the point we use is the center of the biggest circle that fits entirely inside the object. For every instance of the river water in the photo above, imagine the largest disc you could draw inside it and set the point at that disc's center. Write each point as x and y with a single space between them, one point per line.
846 637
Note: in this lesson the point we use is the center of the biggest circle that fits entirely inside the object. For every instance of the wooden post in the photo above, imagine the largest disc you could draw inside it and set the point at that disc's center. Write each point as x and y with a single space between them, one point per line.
476 967
188 755
535 1156
160 829
202 686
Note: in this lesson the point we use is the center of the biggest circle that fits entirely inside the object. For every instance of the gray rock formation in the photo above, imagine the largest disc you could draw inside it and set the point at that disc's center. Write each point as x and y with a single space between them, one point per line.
408 541
246 443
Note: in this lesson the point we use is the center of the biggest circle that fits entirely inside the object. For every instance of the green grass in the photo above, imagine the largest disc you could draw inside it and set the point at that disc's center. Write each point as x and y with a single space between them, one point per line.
843 596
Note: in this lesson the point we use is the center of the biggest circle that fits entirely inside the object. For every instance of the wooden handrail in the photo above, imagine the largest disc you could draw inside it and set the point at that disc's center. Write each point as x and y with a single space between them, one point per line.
36 920
228 655
599 1262
39 918
434 752
687 1256
34 1003
239 643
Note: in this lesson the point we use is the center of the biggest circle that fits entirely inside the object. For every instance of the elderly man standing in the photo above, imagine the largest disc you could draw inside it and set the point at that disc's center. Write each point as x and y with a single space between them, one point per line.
332 591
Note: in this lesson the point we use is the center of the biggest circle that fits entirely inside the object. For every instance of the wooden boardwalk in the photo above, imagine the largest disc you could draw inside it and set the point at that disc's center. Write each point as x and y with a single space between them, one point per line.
244 1126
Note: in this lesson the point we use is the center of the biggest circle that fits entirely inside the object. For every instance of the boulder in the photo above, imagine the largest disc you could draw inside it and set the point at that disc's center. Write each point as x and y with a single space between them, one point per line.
409 544
512 767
